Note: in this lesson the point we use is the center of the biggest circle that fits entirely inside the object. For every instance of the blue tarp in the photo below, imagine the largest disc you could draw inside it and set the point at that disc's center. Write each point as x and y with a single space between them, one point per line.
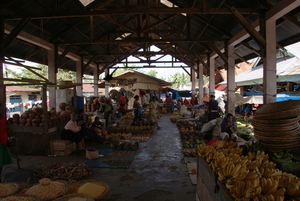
279 97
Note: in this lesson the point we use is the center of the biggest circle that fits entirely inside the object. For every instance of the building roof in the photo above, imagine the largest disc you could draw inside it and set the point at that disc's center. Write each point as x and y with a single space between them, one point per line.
24 89
107 32
161 82
287 71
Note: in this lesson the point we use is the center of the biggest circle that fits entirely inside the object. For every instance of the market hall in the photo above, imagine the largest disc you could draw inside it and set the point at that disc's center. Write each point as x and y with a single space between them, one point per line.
92 37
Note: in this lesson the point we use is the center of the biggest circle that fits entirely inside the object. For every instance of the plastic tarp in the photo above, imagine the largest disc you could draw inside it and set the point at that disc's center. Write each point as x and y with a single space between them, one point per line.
240 100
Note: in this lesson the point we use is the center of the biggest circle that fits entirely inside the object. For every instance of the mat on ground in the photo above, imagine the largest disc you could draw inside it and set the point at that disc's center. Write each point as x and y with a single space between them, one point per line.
113 158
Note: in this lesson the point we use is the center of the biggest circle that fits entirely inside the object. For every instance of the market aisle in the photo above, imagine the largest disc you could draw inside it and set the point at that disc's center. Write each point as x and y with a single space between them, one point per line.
157 173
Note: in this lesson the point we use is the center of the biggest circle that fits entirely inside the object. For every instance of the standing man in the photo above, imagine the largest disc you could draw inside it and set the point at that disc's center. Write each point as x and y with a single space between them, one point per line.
212 103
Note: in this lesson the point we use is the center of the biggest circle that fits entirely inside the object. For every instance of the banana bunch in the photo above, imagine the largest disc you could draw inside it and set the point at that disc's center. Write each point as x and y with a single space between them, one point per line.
270 172
243 190
220 144
231 171
190 153
220 161
282 157
204 150
270 190
291 183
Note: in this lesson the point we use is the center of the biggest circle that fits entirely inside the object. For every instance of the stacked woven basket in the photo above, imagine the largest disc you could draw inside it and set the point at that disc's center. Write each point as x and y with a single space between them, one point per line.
276 125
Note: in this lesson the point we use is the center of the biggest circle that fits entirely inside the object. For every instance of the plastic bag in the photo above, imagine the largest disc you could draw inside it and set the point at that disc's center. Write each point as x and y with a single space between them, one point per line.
140 112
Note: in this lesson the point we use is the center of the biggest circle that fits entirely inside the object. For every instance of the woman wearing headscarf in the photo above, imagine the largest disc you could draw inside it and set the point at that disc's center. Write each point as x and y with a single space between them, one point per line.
227 127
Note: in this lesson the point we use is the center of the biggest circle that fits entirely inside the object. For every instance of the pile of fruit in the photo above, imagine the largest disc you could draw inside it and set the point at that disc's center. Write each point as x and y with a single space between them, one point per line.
190 134
35 117
129 129
250 177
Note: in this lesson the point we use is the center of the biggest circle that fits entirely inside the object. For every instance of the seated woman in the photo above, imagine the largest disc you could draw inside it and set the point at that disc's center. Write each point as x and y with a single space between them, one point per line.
226 128
97 123
81 120
71 132
208 139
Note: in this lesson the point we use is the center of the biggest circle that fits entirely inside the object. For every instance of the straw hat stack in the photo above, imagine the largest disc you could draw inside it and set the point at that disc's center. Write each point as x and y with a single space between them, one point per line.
276 125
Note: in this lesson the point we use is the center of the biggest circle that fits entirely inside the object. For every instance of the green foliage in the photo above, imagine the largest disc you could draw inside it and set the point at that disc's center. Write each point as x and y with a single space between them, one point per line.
179 80
152 73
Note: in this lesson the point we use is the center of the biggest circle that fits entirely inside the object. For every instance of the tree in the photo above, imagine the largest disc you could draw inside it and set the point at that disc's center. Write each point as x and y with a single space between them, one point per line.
132 67
179 80
152 73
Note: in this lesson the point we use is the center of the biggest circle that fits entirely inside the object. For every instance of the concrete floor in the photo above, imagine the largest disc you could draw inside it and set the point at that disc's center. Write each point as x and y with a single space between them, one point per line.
158 172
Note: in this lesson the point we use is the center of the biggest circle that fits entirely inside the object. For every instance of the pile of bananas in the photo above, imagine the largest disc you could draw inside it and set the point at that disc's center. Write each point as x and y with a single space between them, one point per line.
282 157
250 177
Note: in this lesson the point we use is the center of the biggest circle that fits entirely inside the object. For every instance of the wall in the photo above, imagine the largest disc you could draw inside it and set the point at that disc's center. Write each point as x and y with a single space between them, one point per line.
24 97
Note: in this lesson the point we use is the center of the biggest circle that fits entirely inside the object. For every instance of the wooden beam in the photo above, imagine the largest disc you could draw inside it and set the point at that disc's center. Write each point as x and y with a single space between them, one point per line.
250 48
282 8
132 9
118 23
13 34
14 64
256 35
89 62
147 29
216 49
91 28
186 71
65 52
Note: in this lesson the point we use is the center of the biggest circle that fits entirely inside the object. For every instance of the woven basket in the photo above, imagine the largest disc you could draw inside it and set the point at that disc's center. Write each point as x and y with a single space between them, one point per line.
292 133
275 127
15 187
281 115
20 196
278 140
276 121
58 195
74 187
70 196
278 148
278 107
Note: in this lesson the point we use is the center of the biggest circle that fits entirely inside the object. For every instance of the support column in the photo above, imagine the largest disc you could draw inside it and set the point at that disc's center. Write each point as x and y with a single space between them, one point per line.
52 77
106 83
230 106
269 70
2 87
96 80
193 76
212 76
79 75
200 84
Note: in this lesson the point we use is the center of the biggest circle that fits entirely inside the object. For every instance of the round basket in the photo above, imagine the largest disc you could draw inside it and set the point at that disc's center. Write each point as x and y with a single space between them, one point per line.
74 187
278 148
278 107
288 113
70 196
14 187
276 121
23 197
277 134
24 191
275 128
278 140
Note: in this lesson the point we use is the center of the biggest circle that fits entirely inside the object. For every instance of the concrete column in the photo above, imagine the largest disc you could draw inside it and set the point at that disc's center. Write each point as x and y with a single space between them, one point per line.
52 77
2 87
200 84
230 81
269 70
79 75
106 83
96 80
193 76
212 76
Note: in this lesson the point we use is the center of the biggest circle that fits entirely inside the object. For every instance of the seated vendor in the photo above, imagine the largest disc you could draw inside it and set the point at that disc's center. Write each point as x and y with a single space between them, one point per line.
97 123
207 139
86 131
71 132
227 127
214 113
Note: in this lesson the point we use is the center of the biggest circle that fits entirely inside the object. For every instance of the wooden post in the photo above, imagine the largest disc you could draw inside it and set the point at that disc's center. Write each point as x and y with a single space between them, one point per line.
52 77
193 81
230 80
269 70
45 111
200 83
212 76
96 80
2 87
106 83
79 76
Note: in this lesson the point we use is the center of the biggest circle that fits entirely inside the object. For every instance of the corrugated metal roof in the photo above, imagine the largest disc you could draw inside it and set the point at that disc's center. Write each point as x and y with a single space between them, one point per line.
63 31
17 88
287 70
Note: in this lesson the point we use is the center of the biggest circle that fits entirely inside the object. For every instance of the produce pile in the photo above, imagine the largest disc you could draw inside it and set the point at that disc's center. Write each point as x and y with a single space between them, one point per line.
35 117
251 176
126 145
62 171
276 125
145 130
